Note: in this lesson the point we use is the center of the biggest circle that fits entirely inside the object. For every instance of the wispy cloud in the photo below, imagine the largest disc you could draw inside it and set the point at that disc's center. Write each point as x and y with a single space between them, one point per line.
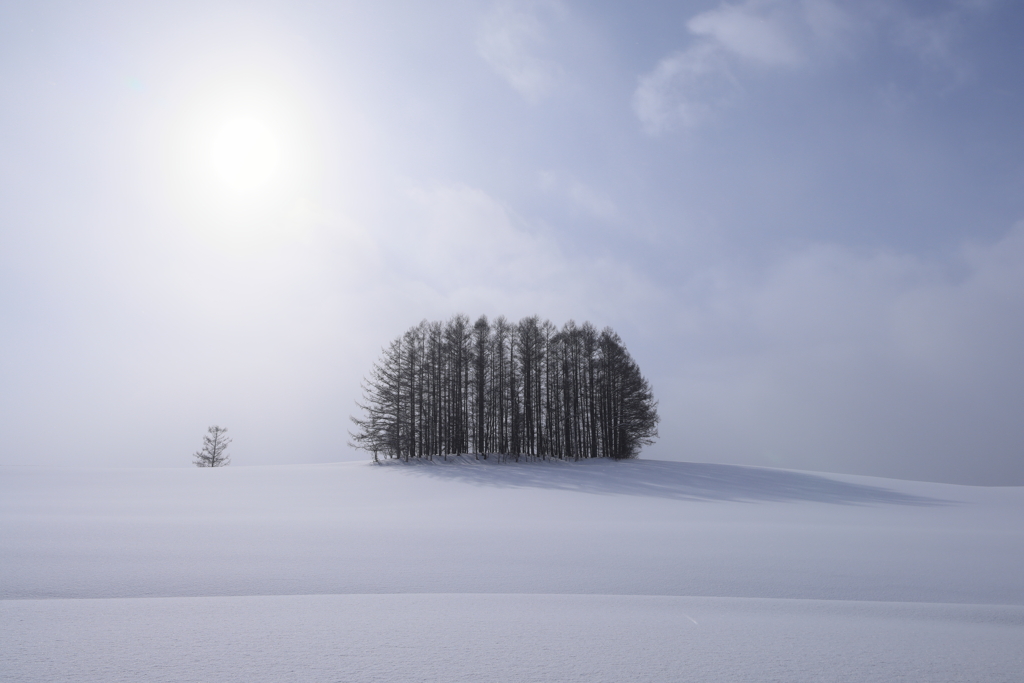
514 38
855 359
687 87
581 198
933 38
761 32
470 251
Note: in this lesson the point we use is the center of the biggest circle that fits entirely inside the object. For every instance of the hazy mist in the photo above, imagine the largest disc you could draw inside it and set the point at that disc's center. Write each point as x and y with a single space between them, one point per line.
805 219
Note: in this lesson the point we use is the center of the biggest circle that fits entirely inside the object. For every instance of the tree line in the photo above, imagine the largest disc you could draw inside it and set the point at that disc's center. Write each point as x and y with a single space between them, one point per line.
525 389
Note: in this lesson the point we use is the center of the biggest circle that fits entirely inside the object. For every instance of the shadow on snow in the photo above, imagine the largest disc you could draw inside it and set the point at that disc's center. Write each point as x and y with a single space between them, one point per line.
663 479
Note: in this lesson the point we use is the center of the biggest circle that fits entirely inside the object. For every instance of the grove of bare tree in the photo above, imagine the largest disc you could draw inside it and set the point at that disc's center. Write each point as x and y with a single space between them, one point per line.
520 390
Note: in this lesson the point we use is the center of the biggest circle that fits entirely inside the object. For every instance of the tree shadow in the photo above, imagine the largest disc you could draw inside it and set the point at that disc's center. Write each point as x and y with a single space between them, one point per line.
663 479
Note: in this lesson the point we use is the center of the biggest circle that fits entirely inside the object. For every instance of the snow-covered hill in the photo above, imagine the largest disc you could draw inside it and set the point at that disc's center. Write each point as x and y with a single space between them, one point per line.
637 570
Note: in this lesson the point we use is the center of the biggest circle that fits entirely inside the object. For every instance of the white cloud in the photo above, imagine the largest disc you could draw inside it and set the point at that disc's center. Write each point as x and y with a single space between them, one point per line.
467 251
582 199
757 31
877 363
687 87
465 231
932 38
514 37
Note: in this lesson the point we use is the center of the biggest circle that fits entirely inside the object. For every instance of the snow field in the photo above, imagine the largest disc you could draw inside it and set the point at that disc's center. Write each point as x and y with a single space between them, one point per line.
471 570
641 527
522 638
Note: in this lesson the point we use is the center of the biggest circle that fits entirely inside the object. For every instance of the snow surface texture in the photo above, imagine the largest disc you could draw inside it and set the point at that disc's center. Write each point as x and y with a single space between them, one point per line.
592 571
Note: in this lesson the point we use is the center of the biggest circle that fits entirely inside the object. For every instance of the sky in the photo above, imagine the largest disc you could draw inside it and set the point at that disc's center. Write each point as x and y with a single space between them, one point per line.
805 219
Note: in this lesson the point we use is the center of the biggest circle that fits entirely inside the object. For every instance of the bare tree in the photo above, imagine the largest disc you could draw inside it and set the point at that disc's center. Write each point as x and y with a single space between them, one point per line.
481 360
214 446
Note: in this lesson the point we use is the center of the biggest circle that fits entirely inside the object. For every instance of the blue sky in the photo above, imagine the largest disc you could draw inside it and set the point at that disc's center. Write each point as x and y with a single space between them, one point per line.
804 218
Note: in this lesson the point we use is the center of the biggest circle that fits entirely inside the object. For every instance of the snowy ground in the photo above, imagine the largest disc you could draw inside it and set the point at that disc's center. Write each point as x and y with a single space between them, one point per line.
594 571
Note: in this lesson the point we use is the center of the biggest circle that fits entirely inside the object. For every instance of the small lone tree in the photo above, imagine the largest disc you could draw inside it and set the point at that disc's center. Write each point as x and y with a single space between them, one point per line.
214 445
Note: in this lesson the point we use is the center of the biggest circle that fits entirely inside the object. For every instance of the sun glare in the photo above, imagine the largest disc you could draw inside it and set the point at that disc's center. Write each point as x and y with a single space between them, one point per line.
245 154
242 167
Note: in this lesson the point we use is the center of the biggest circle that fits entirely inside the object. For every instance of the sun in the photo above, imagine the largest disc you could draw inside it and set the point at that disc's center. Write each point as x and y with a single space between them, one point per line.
245 154
243 163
